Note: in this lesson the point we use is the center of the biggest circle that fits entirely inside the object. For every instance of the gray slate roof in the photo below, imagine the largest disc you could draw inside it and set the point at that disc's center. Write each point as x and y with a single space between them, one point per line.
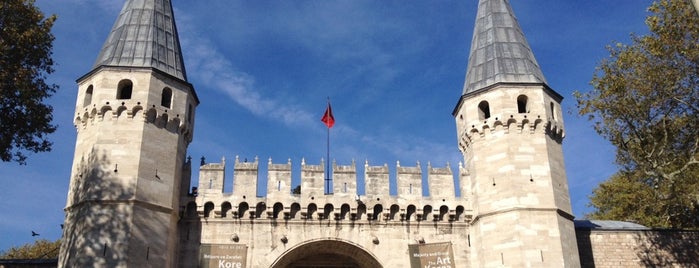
499 50
144 35
608 225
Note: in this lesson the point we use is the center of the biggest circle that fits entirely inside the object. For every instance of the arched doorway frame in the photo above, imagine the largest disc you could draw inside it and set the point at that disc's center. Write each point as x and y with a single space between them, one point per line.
283 258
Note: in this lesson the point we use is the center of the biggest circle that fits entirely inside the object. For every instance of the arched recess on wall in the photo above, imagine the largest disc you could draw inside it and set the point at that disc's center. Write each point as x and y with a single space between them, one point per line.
276 209
208 207
120 111
310 210
483 110
443 210
426 212
260 209
344 209
124 89
327 253
361 210
242 209
394 210
376 214
294 209
410 211
225 207
151 115
328 211
458 213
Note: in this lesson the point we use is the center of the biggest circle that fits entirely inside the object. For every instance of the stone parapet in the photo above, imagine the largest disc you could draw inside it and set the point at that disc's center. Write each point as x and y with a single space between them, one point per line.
637 248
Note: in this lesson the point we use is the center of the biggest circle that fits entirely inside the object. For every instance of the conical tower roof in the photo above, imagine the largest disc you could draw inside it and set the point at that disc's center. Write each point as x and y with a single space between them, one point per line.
144 35
499 51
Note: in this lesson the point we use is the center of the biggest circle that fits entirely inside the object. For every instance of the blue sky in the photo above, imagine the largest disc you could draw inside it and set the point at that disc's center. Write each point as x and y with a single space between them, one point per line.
263 70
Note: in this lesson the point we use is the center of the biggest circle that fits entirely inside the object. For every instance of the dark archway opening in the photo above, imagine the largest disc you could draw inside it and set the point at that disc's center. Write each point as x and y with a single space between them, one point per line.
326 254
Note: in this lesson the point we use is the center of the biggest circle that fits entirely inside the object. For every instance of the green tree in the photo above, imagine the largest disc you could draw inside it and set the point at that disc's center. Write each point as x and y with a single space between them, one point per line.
40 249
645 101
25 61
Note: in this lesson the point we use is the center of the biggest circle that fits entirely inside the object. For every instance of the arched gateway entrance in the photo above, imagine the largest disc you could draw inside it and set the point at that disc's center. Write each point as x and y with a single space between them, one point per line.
329 253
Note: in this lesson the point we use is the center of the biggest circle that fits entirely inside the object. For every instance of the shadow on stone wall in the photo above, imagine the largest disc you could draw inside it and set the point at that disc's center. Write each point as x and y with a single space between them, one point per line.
90 230
100 227
587 256
668 248
637 248
190 228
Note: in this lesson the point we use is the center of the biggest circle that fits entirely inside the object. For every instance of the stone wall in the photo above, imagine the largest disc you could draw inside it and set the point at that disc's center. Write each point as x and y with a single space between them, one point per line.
638 248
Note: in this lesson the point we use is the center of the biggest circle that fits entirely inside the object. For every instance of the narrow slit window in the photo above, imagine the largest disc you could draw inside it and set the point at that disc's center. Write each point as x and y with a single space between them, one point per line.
88 96
189 113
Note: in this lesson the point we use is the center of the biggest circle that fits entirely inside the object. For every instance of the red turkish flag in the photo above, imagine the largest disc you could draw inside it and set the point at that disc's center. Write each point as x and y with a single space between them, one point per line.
328 118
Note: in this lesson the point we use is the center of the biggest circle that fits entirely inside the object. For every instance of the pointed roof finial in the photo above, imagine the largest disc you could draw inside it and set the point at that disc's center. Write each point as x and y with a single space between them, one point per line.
144 35
499 51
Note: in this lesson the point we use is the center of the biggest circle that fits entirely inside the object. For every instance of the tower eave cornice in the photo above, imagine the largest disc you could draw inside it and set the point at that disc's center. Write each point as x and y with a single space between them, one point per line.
555 95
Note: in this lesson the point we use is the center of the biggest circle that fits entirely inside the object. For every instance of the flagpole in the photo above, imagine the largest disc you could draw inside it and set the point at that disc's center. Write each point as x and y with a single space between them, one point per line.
327 164
329 121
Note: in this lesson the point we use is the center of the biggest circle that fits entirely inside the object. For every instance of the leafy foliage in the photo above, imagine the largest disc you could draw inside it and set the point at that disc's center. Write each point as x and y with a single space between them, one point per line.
25 61
645 101
40 249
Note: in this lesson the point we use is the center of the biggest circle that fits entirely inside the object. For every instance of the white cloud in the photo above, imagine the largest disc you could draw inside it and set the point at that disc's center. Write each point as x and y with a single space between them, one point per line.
216 72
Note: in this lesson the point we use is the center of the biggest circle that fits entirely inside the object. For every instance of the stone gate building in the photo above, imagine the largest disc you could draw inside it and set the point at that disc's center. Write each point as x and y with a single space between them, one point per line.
130 205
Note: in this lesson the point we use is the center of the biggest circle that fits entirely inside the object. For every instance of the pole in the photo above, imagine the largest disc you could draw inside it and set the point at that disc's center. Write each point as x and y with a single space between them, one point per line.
327 166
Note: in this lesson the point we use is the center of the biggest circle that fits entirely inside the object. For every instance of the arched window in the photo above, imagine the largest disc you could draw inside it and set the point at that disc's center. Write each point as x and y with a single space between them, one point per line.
553 112
124 89
88 96
166 97
522 105
483 110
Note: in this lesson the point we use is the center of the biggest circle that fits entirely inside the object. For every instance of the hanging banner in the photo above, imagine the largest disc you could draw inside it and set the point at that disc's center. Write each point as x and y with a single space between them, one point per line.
435 255
219 255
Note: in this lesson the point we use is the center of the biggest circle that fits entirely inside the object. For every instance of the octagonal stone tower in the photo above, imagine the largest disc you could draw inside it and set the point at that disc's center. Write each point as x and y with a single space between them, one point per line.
134 117
510 129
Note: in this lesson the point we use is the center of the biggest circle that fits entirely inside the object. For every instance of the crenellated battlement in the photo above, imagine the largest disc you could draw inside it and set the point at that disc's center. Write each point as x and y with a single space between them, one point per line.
512 124
346 202
131 110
